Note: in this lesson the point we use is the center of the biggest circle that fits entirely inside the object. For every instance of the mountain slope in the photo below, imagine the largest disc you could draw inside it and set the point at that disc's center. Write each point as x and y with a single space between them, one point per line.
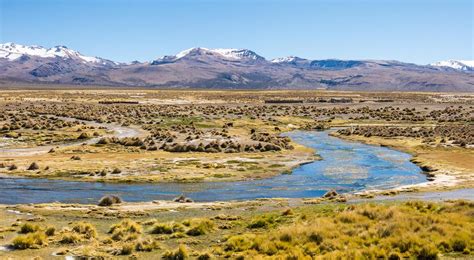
226 68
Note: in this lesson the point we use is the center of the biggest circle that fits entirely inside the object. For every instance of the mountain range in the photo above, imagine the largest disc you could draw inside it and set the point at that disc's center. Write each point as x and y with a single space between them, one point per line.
228 69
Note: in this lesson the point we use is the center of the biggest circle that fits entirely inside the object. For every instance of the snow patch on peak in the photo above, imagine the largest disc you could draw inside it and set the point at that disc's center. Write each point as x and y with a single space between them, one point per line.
286 59
13 51
238 54
187 52
465 65
232 54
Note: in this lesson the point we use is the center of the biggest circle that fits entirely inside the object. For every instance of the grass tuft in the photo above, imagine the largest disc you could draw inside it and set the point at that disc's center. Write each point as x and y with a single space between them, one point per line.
30 240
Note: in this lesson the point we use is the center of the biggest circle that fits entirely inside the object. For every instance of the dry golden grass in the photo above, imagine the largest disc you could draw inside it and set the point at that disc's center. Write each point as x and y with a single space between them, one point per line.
366 230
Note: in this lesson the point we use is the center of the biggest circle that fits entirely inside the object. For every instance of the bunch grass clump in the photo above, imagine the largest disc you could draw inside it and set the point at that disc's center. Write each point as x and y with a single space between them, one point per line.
200 226
28 228
85 229
179 254
30 241
127 229
146 245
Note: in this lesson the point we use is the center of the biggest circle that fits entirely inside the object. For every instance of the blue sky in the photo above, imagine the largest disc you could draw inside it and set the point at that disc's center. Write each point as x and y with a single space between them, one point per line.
419 31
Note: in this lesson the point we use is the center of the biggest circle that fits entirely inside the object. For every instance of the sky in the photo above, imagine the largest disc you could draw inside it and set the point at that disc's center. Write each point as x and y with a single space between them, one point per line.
418 31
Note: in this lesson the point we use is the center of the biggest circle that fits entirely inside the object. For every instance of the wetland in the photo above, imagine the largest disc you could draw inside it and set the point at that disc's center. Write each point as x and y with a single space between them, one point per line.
240 174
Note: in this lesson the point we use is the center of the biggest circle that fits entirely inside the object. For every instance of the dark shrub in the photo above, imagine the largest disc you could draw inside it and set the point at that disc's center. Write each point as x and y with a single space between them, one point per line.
33 167
109 200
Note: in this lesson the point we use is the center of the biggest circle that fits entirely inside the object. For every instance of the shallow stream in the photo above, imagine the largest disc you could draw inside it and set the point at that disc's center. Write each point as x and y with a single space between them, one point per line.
345 166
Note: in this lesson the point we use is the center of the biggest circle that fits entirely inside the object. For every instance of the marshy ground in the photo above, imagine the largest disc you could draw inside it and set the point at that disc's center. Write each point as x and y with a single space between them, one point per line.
136 136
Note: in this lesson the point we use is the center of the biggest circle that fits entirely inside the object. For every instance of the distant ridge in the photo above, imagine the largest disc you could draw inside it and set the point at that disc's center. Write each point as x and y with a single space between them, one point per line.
229 69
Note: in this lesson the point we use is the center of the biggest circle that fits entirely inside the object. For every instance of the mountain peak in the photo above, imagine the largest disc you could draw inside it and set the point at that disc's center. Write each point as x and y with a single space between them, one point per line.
288 59
13 51
226 54
465 65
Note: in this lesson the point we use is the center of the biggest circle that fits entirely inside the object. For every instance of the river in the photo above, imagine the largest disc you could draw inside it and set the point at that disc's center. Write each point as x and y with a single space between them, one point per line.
345 166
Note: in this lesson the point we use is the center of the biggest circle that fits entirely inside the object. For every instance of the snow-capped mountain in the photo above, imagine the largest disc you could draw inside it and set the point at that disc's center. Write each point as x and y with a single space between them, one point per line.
12 52
228 68
226 54
288 59
465 65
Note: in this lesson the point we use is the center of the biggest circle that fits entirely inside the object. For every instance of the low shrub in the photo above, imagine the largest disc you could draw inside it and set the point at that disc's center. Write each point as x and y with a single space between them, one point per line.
179 254
146 245
315 237
83 136
33 167
116 171
109 200
162 228
31 240
129 225
264 221
427 252
287 212
50 231
395 256
127 249
239 243
458 245
70 238
28 228
200 227
86 229
204 256
127 229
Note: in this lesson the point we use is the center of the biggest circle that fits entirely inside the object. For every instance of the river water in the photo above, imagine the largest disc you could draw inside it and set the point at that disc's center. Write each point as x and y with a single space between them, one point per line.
345 166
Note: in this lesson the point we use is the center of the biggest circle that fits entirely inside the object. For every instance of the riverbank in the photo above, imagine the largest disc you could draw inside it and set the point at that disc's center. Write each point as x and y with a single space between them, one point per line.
447 168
